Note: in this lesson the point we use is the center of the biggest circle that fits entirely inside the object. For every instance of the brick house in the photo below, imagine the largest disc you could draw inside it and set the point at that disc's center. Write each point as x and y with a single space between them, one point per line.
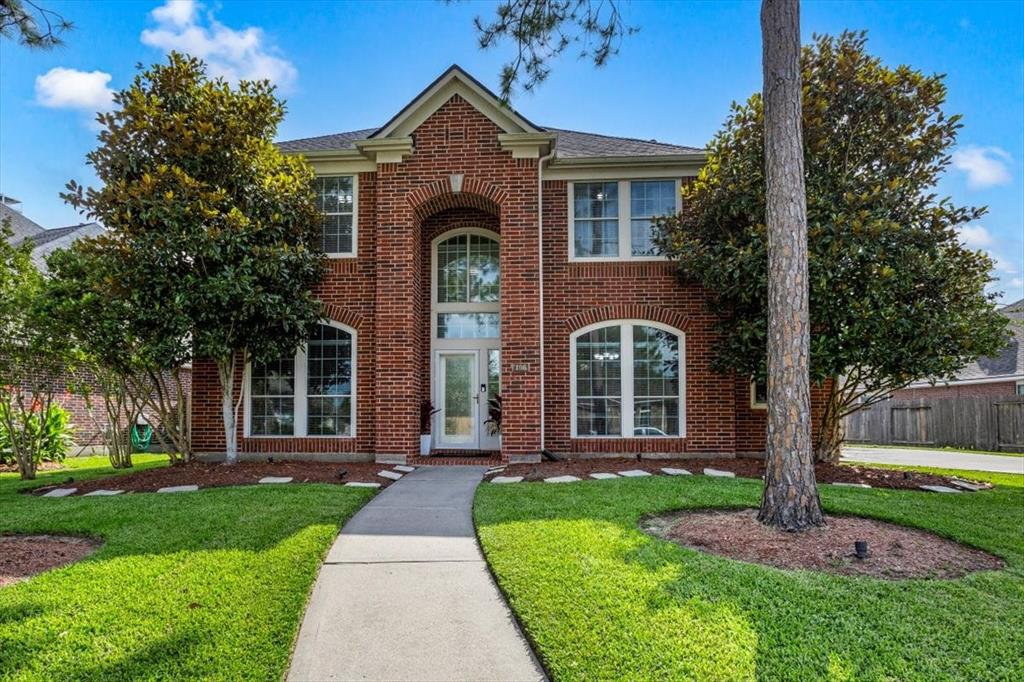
586 334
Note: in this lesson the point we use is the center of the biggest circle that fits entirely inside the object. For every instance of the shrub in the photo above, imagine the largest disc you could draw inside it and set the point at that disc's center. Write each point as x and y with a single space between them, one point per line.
51 428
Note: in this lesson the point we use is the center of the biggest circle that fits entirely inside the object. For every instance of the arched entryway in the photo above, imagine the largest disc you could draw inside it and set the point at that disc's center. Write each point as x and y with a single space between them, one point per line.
465 338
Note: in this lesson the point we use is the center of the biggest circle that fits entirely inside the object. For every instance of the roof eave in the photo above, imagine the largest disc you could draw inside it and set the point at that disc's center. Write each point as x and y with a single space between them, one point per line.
644 160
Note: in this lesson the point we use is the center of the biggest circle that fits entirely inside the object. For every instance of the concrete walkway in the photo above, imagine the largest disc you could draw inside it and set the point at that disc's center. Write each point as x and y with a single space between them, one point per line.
946 459
404 593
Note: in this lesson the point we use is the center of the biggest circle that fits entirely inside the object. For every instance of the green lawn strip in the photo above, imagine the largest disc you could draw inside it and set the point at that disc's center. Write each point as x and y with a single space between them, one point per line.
80 469
210 584
602 600
993 477
934 448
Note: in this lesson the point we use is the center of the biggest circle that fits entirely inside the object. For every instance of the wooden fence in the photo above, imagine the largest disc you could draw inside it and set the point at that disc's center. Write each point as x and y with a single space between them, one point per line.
979 423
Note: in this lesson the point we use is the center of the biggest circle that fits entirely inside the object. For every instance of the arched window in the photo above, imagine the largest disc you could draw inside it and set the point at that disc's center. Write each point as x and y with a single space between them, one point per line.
309 394
467 286
628 380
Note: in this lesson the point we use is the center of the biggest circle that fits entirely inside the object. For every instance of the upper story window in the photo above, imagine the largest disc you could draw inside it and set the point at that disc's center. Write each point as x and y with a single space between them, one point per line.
336 199
309 394
607 226
467 283
627 381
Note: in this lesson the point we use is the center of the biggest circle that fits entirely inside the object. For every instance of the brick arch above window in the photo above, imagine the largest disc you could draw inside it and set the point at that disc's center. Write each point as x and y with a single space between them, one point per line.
345 316
445 194
665 316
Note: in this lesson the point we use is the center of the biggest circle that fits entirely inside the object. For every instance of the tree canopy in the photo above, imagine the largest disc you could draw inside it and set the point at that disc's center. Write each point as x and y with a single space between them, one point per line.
212 233
894 295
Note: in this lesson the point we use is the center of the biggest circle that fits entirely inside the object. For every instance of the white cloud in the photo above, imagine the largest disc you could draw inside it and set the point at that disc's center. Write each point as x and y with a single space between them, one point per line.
975 236
63 88
984 166
233 54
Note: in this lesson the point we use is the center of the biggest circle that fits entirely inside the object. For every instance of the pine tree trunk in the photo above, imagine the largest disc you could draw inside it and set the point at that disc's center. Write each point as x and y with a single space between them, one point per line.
790 500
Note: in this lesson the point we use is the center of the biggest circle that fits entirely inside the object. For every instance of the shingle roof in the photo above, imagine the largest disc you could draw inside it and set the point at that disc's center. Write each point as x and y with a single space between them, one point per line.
569 144
1007 363
1014 311
61 238
22 226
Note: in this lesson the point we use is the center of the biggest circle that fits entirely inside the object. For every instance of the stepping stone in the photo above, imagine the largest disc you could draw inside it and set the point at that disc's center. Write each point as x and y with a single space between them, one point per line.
276 479
603 475
361 484
493 470
561 479
633 473
393 475
938 489
179 489
967 485
103 493
61 492
404 468
506 479
719 473
676 472
853 485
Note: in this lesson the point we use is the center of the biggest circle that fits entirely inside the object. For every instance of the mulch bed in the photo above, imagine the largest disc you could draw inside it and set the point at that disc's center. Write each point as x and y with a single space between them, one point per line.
894 552
749 468
214 475
23 556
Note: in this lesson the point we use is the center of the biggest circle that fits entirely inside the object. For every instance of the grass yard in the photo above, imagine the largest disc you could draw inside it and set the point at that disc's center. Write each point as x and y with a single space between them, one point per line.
602 600
209 584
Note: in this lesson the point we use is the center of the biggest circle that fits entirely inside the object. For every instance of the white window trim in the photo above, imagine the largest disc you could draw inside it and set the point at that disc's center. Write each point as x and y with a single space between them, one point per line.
301 392
1018 388
624 218
355 215
626 361
754 405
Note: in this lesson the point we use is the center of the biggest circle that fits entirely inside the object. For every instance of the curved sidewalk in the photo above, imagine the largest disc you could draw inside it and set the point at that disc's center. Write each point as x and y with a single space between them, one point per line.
404 593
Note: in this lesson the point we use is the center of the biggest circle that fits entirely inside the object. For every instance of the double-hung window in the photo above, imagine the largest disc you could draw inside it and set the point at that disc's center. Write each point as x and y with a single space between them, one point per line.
613 220
627 381
336 199
309 394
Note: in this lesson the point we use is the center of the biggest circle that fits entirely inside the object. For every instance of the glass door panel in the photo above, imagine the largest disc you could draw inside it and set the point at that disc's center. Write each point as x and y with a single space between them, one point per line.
459 400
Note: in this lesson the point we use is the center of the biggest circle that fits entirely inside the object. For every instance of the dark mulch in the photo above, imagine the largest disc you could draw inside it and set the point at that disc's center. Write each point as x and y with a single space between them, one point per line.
213 475
749 468
894 552
23 556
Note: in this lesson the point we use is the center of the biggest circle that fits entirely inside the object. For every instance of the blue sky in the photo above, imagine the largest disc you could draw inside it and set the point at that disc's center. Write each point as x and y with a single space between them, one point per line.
343 66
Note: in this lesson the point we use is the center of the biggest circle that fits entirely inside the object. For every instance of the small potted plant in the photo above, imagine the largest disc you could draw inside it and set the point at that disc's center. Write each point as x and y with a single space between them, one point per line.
494 416
427 412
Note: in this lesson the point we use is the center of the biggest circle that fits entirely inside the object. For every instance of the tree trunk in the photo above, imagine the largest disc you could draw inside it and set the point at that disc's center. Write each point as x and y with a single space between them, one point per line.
226 369
790 500
828 442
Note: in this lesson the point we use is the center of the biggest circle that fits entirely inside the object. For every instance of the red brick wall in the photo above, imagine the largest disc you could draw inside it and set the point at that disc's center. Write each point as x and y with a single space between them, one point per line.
1001 388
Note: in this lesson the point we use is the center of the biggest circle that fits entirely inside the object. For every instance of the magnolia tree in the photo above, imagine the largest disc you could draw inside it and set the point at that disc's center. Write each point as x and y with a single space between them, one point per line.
894 295
211 231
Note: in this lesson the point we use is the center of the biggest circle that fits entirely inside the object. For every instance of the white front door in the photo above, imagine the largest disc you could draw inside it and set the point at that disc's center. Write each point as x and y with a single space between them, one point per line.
458 400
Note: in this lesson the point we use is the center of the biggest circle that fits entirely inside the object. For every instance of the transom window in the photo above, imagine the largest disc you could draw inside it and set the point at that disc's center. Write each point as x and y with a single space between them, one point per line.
606 226
309 394
336 199
627 381
468 285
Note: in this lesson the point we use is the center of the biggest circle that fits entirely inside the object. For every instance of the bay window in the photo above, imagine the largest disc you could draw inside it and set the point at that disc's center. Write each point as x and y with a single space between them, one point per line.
309 394
627 381
612 220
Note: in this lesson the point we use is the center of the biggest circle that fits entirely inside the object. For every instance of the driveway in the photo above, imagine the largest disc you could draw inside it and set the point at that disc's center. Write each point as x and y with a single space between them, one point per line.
404 593
946 459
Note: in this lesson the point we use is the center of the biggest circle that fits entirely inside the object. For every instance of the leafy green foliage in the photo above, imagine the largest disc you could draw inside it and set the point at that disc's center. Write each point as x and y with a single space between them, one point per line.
32 24
602 600
212 242
208 585
48 433
894 295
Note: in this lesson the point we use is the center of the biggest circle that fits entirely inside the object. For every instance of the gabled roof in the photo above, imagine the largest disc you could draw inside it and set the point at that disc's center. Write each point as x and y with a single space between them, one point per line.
569 144
1014 311
453 81
60 238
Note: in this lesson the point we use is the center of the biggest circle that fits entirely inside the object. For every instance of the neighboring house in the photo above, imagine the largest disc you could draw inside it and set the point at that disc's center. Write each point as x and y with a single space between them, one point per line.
474 253
996 375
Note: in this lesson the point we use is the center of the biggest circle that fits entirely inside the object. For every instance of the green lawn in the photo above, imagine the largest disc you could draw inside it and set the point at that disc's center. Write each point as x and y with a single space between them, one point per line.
994 477
210 584
602 600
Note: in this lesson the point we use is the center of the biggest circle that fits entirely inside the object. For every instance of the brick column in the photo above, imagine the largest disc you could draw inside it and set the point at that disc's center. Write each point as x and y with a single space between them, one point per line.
520 320
397 346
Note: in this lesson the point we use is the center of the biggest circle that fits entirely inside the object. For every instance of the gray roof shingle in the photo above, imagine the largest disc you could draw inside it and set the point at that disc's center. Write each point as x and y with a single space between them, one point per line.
569 144
61 238
22 226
